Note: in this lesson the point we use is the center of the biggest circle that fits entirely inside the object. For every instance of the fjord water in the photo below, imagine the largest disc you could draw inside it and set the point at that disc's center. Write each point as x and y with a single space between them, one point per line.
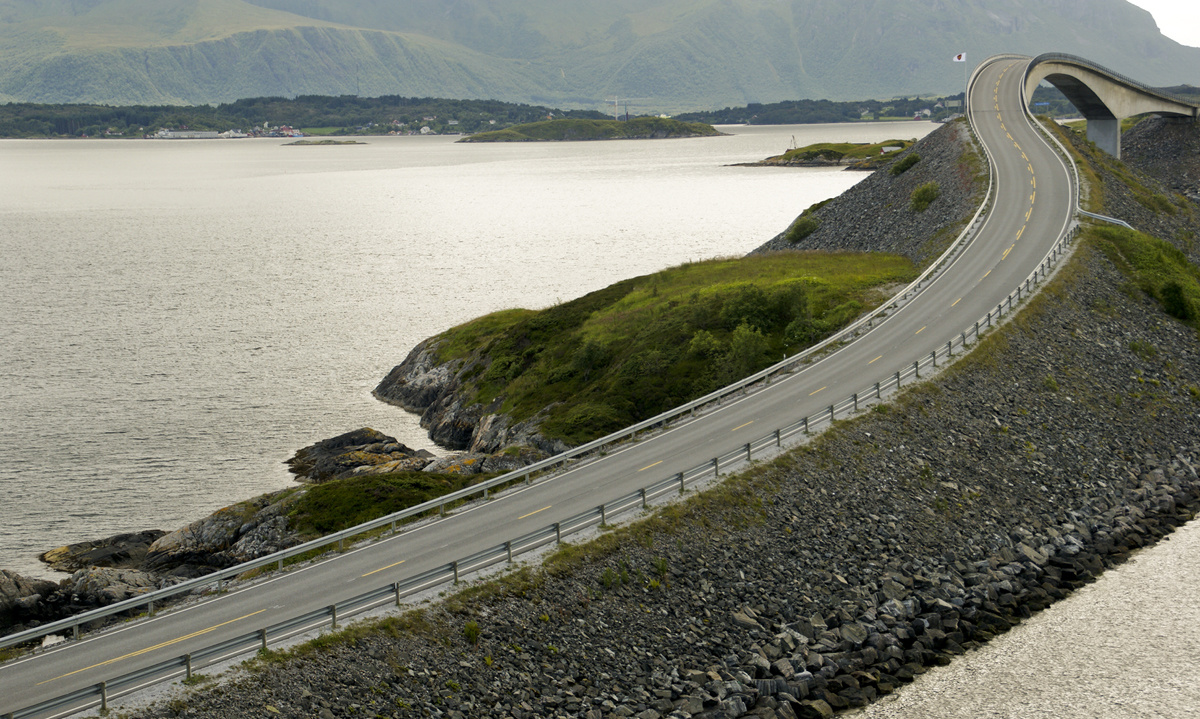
180 316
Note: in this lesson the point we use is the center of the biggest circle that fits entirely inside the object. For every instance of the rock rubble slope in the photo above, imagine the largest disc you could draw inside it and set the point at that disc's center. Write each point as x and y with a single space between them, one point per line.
836 573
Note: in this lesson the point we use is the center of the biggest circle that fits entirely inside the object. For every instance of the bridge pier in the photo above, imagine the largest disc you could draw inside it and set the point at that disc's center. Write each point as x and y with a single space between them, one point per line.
1106 133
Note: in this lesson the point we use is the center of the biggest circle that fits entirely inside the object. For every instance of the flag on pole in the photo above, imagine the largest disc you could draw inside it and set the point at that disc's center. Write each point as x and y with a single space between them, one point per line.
960 57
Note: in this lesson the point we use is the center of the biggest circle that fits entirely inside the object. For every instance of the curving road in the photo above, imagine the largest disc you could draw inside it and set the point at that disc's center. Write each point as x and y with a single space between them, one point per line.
1033 206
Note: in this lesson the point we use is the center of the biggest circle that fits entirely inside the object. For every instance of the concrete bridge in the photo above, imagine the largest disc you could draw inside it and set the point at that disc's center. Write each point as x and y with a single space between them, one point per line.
1103 96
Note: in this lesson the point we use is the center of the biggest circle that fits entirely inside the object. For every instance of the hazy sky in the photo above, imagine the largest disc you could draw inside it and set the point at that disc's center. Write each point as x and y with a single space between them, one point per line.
1178 19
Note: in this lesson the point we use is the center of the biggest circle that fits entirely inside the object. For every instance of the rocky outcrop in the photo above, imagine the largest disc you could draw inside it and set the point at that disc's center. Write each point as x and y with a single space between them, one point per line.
21 595
1168 149
121 551
106 585
247 530
423 384
363 451
875 215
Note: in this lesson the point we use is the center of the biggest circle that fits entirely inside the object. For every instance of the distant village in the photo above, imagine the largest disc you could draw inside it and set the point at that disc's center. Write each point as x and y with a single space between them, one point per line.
433 127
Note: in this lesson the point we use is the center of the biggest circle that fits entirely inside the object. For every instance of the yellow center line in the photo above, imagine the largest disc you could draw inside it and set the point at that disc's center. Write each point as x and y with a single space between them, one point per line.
1002 127
1030 169
876 359
740 426
1021 231
1005 257
1033 198
957 301
1009 134
1024 156
999 117
377 571
810 394
548 506
920 330
985 275
1028 214
150 649
1033 181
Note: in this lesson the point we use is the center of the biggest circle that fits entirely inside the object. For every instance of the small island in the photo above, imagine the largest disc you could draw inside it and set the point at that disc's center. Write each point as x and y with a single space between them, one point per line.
574 130
314 143
852 155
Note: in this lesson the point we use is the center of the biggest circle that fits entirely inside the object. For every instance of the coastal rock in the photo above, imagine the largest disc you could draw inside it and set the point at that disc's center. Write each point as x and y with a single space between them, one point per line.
362 451
121 550
19 594
235 534
421 384
107 585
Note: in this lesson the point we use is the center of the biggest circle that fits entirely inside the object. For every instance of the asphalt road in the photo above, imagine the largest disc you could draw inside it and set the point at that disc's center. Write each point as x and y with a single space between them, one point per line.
1031 209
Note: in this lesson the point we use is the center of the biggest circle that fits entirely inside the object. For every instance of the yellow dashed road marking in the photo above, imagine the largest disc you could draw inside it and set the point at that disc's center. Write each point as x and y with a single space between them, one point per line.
643 469
876 359
740 426
377 571
810 394
543 509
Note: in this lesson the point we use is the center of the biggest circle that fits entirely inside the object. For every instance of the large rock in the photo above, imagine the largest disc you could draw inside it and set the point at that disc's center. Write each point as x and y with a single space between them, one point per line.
247 530
106 585
121 550
18 593
363 451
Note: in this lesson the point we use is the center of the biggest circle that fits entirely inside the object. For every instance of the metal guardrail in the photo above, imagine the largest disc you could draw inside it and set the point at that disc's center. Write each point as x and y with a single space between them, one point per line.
1109 220
100 694
526 474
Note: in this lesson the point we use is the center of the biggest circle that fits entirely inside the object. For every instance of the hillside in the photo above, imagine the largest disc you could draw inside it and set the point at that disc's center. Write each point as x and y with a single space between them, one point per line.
638 128
666 55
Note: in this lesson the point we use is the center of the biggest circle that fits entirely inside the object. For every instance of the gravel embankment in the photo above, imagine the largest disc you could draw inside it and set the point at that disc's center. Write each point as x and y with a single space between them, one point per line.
876 215
836 573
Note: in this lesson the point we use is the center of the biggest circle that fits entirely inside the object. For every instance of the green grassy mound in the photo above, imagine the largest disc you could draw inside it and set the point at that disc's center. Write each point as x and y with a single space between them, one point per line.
641 346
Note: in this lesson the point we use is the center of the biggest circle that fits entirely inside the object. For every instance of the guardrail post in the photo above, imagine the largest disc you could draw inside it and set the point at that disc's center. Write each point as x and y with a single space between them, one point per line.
455 565
396 589
806 424
485 492
716 466
103 696
681 483
508 550
933 356
442 509
778 438
950 348
603 516
527 478
856 401
187 669
878 391
333 616
558 533
897 380
150 608
75 631
262 638
917 368
747 451
831 413
643 497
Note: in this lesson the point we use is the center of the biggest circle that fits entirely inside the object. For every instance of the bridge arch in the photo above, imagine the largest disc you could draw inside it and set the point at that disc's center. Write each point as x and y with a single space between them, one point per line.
1103 96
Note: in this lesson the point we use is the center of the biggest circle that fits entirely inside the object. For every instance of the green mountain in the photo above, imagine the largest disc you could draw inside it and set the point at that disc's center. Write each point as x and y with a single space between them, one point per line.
666 55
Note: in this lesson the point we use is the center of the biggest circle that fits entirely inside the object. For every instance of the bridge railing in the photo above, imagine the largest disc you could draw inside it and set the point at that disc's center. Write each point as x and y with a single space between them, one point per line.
871 394
529 474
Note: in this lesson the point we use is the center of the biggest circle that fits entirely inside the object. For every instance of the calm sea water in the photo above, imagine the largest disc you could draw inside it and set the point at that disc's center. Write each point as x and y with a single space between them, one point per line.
180 317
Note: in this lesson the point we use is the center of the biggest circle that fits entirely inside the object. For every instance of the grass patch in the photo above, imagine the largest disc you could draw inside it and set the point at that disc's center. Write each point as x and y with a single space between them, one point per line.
575 129
804 226
333 506
1156 267
641 346
923 196
905 165
839 151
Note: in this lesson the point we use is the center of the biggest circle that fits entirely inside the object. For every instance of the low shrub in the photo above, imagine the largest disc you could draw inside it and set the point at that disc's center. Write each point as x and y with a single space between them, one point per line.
924 195
905 164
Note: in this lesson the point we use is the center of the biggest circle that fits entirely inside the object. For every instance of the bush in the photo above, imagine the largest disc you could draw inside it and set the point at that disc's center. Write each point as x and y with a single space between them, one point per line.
1175 302
471 632
804 226
903 165
924 195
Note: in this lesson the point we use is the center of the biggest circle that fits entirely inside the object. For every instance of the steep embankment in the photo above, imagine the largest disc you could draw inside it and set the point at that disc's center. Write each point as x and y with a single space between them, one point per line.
574 372
838 572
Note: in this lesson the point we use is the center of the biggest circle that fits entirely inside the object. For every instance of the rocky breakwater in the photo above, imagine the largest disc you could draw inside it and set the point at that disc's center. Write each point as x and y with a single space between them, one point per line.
834 575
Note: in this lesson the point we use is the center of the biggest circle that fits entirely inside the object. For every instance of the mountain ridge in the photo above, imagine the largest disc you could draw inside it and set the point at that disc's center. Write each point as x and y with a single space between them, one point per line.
666 55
